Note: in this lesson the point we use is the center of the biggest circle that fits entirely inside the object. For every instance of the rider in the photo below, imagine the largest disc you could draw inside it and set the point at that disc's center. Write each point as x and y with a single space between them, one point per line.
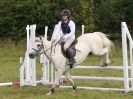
65 29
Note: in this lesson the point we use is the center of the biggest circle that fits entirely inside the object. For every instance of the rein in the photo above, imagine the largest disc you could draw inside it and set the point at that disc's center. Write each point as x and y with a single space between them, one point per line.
44 51
37 50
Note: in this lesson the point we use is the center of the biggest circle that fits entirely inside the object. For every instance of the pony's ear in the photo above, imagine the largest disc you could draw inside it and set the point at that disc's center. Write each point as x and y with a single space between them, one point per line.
41 37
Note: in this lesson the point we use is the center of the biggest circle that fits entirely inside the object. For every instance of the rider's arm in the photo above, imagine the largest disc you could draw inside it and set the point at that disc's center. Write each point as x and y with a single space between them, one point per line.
72 28
56 31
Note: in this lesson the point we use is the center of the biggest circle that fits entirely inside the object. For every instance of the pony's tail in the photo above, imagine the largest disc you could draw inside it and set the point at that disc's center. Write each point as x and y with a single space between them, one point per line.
107 43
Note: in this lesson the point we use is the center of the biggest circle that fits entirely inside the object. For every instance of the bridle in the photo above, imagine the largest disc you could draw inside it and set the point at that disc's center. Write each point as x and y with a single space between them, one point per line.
42 46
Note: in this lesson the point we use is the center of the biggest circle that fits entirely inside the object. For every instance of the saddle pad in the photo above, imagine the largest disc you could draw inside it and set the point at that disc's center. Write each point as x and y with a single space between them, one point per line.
72 47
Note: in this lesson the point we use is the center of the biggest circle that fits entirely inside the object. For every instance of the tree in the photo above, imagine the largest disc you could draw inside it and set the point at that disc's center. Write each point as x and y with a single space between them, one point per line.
96 15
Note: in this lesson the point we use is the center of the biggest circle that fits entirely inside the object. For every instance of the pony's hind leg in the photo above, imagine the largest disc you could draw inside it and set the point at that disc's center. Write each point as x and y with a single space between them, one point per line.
68 76
108 61
104 51
101 61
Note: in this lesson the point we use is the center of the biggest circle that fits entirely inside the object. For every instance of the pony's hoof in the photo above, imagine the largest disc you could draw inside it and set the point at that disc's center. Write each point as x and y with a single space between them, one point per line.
104 65
74 91
49 93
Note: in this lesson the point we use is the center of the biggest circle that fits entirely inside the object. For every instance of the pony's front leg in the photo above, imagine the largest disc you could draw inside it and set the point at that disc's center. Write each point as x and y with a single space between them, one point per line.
68 76
58 74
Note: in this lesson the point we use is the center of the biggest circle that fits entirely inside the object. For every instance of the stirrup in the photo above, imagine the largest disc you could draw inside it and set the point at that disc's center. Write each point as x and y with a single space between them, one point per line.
71 62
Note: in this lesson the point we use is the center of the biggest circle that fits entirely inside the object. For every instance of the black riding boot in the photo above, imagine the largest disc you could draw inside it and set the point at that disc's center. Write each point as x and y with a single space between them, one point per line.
70 56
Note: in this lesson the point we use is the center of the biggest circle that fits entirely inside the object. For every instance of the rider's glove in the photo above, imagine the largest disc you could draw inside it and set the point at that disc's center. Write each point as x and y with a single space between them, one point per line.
64 38
53 40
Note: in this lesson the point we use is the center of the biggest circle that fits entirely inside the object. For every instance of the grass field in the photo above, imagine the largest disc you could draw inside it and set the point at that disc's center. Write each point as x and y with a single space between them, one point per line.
9 71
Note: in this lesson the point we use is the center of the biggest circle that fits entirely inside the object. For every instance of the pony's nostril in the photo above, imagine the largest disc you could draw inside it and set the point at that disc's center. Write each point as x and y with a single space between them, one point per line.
31 55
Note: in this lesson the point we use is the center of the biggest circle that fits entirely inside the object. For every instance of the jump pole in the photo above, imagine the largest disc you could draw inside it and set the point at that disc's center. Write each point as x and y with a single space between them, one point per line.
46 32
83 29
125 57
33 61
45 64
28 66
131 51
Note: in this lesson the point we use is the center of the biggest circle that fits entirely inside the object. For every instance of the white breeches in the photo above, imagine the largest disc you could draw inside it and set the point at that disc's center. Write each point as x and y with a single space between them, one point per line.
68 43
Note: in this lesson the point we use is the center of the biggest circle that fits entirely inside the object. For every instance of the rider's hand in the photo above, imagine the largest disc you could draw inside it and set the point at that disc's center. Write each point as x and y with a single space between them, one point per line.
53 40
65 38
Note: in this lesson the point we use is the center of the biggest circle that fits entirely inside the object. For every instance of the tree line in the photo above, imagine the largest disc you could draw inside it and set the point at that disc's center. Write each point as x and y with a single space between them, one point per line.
97 15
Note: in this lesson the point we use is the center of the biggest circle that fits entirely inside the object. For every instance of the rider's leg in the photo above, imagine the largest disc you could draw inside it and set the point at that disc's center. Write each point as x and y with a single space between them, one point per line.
66 48
68 43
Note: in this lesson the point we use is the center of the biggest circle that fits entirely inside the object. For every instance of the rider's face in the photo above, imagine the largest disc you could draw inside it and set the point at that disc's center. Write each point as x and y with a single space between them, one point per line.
64 18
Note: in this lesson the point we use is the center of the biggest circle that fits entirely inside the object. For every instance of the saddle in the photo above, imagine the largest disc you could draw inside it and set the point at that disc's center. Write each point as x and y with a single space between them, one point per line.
71 48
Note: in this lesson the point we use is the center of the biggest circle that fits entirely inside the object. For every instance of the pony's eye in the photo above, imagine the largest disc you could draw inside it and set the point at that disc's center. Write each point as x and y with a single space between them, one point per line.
38 45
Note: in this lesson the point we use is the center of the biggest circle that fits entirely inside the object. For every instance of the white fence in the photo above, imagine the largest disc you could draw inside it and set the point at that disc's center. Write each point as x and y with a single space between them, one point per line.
28 66
126 36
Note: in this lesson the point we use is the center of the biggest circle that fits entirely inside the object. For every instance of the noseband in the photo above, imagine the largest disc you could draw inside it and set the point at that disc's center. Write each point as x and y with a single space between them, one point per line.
40 48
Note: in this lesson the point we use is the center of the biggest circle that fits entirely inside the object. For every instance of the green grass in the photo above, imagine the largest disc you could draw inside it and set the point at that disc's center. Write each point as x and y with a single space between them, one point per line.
9 71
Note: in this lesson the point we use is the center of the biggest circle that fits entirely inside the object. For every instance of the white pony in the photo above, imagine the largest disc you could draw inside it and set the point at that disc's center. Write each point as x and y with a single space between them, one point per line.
96 43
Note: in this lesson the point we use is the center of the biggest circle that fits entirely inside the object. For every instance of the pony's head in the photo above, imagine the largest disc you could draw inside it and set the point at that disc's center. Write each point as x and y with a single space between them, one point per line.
37 48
